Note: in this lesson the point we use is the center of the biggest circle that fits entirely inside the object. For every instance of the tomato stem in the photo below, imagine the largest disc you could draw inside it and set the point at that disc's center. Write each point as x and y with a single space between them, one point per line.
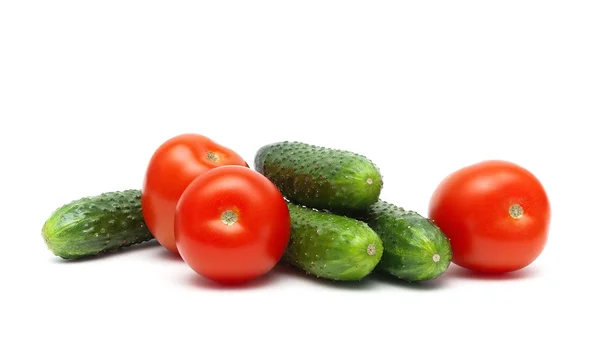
212 156
516 211
229 217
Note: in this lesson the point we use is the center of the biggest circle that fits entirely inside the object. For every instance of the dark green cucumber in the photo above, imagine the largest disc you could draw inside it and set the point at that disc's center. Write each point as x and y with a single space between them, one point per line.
415 249
322 178
93 225
331 246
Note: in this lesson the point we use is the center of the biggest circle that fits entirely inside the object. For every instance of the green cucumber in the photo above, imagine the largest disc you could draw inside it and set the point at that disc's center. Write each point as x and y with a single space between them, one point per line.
97 224
322 178
414 248
331 246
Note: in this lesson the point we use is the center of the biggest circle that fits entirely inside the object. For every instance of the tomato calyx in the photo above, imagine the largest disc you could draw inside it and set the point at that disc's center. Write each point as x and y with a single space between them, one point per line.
515 211
212 156
229 217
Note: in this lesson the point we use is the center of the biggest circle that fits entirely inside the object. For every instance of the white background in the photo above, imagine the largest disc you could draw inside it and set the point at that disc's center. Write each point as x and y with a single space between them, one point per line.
88 90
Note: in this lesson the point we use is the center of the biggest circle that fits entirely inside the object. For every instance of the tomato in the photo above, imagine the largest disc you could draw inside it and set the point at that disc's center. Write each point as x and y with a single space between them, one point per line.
172 168
496 215
232 225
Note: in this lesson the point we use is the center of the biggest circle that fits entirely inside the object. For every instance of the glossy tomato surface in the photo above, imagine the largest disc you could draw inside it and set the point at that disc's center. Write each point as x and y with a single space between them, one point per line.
172 168
496 214
232 225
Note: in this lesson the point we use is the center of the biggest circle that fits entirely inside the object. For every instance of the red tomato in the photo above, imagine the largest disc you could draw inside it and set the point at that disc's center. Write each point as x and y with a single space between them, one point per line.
232 225
172 168
496 214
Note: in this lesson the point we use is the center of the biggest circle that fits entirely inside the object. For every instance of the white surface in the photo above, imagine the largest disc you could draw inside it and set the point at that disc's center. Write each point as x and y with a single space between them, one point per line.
88 90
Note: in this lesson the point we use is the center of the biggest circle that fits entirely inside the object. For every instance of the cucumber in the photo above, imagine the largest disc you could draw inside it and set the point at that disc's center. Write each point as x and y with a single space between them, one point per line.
97 224
414 248
322 178
331 246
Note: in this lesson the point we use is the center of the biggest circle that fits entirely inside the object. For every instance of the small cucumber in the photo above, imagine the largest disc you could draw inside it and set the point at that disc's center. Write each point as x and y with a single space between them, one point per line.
415 249
331 246
93 225
322 178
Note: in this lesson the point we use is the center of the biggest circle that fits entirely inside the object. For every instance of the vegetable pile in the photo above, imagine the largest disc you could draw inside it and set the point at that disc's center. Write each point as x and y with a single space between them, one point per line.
317 209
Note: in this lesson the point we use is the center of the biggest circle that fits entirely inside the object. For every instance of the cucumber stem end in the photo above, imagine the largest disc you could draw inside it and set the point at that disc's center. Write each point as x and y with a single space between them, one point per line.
371 250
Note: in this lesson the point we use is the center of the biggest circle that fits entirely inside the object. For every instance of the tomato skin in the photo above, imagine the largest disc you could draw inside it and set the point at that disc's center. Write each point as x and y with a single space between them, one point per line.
172 167
247 248
472 207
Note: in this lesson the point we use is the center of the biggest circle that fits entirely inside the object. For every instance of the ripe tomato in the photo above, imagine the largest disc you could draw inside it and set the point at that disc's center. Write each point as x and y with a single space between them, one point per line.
496 214
232 225
172 167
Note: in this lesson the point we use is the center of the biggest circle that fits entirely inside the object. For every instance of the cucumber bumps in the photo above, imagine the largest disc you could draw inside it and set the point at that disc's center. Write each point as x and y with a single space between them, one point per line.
341 230
93 225
331 246
415 249
330 179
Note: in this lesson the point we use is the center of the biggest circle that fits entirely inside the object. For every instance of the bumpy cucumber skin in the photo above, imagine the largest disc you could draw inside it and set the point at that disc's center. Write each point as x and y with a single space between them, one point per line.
410 242
331 246
335 180
93 225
